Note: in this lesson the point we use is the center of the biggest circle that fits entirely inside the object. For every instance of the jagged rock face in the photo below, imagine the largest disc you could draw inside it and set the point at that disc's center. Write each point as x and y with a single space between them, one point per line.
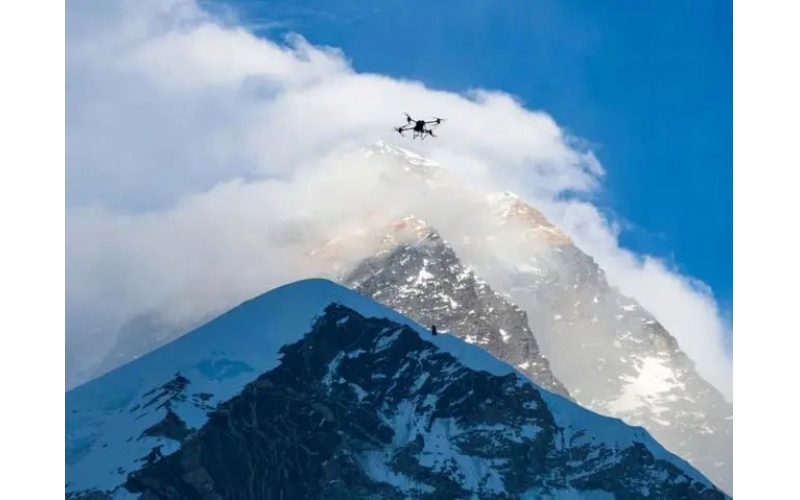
639 372
422 278
536 227
365 408
612 355
598 345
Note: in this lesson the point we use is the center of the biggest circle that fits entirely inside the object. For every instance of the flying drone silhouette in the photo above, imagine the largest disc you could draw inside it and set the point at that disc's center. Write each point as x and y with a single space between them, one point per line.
420 128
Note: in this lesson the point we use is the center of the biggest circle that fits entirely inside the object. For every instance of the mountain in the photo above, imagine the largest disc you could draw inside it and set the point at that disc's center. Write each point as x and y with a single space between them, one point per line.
313 391
418 274
583 336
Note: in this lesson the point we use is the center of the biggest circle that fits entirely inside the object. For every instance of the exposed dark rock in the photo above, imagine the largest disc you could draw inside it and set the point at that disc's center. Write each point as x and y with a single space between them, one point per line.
423 278
366 408
170 427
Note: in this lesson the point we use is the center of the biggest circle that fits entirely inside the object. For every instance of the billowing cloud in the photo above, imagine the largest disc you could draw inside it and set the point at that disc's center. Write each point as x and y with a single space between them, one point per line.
203 161
684 306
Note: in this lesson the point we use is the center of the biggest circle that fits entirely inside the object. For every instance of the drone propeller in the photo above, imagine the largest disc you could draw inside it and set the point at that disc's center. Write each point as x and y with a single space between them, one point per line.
408 118
436 121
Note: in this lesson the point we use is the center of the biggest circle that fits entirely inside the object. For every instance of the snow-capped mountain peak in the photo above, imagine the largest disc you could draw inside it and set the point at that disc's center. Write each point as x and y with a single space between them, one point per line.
383 147
511 209
423 278
312 391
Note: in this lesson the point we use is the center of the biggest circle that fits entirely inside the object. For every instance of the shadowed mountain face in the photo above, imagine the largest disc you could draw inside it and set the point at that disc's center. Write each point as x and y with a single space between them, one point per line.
366 407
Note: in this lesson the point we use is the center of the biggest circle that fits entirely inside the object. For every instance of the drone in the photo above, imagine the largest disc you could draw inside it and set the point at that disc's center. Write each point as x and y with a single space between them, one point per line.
419 127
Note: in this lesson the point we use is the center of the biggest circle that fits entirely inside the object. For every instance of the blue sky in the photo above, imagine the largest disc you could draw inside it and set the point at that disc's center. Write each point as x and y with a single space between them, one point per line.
648 84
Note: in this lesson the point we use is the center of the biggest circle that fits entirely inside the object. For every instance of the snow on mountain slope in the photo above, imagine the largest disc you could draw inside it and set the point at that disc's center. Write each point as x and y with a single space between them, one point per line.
313 391
535 226
419 275
106 416
585 325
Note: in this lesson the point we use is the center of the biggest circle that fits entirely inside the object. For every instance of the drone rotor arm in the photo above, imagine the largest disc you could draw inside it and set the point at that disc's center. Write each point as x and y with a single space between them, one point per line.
435 123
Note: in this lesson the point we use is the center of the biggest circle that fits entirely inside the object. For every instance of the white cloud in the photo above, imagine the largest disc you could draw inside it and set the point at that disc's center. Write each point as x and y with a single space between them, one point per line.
683 305
199 171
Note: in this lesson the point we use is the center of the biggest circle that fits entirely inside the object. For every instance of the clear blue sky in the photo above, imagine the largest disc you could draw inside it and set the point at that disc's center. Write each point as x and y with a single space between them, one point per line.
648 83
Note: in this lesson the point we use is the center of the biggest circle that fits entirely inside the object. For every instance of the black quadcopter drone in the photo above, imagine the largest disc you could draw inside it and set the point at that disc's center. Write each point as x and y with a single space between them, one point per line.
419 127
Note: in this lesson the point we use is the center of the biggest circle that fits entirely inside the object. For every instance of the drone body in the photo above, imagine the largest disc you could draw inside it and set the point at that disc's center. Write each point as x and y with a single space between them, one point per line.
421 128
